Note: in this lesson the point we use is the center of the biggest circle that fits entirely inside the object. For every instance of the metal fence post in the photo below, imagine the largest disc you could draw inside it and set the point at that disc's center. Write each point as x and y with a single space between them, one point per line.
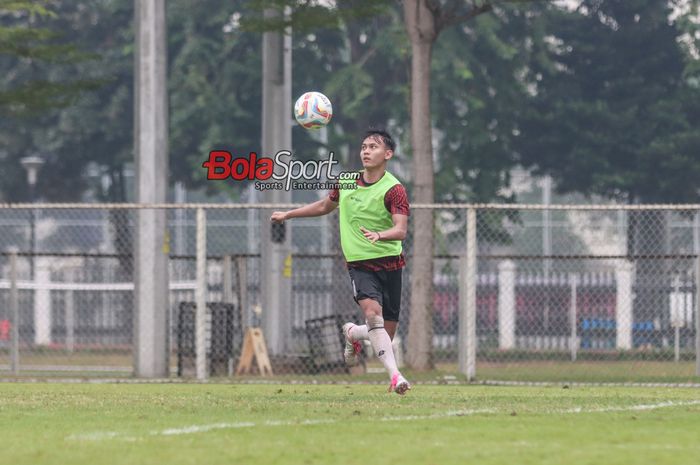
242 289
697 315
201 296
467 324
462 320
573 343
228 297
677 306
70 321
14 306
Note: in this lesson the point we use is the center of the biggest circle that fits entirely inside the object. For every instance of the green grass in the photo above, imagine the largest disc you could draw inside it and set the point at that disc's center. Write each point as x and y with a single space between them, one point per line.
591 372
614 367
360 424
83 363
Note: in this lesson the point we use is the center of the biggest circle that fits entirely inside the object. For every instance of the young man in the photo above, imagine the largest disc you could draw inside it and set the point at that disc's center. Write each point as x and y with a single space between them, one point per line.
373 222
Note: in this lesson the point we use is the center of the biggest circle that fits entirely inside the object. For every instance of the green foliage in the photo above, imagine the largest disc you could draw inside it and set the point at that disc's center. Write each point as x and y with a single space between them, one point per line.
88 143
216 74
39 61
27 40
31 8
351 84
214 82
308 16
474 94
611 111
361 67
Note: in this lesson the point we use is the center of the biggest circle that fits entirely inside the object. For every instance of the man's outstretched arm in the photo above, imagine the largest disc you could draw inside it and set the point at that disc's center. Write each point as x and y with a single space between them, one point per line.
318 208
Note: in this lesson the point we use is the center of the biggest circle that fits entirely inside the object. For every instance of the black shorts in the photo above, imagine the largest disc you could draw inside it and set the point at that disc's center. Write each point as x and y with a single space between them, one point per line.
384 287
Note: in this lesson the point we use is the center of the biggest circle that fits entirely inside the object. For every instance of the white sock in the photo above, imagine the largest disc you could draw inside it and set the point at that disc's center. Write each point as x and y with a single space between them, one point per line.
381 344
359 333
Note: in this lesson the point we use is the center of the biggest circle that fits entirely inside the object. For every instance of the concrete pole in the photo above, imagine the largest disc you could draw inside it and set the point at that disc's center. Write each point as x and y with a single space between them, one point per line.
623 305
42 301
573 338
276 279
506 305
151 325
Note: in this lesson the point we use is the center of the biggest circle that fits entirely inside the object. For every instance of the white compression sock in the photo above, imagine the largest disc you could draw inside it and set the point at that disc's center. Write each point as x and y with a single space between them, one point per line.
359 333
381 344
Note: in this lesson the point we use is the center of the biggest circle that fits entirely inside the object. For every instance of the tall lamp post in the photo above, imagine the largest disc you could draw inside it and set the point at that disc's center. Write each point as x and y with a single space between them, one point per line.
32 165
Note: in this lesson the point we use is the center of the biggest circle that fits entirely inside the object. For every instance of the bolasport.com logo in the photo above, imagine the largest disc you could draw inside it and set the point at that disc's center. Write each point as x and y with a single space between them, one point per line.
280 173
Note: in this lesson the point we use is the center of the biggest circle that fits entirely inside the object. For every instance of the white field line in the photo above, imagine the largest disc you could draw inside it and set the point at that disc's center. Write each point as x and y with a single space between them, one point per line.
451 413
247 424
631 408
194 429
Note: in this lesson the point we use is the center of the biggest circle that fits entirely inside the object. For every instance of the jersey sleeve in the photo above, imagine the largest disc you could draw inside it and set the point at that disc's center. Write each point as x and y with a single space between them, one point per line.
396 200
334 195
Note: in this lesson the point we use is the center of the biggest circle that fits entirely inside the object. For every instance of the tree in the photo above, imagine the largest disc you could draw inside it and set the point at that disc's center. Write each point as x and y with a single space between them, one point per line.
610 104
215 94
424 21
476 98
37 81
26 37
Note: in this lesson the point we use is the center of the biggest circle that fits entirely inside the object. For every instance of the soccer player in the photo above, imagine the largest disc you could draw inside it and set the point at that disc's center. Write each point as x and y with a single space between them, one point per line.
373 217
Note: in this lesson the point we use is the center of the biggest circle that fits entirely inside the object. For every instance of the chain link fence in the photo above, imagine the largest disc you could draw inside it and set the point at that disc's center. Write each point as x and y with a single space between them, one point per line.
564 293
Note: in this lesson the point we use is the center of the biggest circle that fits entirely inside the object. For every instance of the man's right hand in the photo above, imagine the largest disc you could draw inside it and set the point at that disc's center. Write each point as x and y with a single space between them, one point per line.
278 217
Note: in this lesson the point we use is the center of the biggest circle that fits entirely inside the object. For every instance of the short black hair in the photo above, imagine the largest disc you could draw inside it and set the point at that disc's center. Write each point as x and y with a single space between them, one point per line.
383 135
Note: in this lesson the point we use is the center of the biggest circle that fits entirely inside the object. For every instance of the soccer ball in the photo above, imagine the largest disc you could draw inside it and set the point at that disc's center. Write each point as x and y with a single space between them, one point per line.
313 110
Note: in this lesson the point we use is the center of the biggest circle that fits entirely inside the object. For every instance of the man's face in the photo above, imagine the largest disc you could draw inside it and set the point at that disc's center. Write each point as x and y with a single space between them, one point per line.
374 152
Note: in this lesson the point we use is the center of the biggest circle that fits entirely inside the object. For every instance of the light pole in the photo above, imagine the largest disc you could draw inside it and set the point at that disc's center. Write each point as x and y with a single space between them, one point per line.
32 165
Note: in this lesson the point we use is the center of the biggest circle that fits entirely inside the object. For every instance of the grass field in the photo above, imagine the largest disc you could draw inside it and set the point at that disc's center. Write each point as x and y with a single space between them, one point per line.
95 364
78 424
591 371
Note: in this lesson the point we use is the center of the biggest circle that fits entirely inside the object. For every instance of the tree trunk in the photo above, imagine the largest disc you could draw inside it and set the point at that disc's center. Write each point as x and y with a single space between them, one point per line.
420 25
